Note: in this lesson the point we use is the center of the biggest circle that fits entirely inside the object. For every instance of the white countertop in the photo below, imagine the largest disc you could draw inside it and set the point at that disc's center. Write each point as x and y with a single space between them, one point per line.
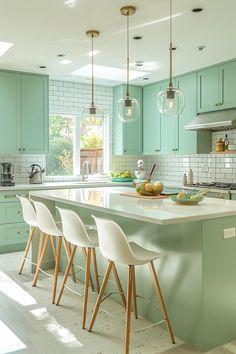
60 185
162 211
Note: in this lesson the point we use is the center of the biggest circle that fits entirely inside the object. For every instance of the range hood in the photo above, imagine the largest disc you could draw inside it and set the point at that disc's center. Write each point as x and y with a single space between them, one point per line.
220 120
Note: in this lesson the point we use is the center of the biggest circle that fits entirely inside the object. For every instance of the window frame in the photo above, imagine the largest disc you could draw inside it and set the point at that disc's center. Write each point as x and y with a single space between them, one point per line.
76 148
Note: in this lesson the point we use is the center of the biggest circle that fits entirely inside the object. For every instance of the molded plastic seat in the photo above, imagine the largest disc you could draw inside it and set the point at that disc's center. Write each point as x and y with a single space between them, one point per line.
51 229
76 234
30 218
115 247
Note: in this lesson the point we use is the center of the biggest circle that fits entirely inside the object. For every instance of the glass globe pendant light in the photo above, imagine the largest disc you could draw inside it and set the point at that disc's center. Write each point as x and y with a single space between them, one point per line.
171 100
128 107
92 112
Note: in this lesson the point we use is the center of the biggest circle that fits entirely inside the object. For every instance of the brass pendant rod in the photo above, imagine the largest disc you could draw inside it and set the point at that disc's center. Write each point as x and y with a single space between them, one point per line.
127 79
92 103
171 46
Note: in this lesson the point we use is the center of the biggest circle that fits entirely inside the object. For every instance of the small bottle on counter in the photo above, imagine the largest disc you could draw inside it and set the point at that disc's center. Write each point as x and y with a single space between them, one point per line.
190 176
226 142
184 179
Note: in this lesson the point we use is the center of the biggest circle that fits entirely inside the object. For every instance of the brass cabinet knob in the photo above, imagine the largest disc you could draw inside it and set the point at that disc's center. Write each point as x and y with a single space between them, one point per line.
217 104
23 149
157 150
19 149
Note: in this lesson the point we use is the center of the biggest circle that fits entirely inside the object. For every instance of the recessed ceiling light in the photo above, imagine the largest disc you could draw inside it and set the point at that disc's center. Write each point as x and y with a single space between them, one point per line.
145 78
61 55
42 67
108 73
95 52
174 48
70 3
139 63
65 61
4 46
197 9
201 47
137 38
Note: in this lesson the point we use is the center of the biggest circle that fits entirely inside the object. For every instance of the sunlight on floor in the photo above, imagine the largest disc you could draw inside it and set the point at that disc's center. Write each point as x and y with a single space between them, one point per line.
61 333
14 291
9 341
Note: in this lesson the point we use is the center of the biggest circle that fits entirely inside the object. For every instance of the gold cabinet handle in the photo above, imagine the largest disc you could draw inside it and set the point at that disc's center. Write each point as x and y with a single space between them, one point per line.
9 196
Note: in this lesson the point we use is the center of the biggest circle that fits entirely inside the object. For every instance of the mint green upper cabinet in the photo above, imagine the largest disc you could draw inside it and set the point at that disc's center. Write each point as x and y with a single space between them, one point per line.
151 120
34 94
216 87
169 130
228 86
23 113
191 142
10 105
208 89
127 137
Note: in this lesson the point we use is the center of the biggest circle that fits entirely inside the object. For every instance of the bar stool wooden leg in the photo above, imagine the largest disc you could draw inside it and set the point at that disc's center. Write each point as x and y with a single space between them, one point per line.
56 269
135 296
128 307
161 299
95 268
40 261
68 253
117 279
99 299
66 274
41 242
27 248
85 258
86 285
53 247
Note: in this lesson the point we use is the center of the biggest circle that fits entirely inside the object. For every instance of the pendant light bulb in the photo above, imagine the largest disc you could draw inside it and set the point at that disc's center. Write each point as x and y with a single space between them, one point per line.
92 112
170 101
128 107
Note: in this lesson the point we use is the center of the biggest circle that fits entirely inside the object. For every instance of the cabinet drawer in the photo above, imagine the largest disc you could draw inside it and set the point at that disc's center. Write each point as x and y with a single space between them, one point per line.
10 213
13 234
11 196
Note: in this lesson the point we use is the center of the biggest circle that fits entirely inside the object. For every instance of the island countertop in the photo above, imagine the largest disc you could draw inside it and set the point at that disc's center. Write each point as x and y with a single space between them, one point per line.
157 211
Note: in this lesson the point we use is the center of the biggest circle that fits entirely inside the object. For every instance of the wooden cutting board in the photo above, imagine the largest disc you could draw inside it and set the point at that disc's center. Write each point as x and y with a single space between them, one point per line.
136 195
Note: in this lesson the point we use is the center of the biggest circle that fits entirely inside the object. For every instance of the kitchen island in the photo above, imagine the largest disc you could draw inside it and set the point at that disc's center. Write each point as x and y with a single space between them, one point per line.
198 270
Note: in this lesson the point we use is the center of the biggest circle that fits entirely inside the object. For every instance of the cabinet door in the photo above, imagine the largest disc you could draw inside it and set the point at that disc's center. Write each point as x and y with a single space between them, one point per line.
10 213
169 130
13 235
34 94
208 90
151 121
228 86
118 136
10 132
133 131
188 139
127 137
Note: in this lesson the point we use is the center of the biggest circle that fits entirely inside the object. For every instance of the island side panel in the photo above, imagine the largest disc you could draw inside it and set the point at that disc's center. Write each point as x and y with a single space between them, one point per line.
179 271
219 283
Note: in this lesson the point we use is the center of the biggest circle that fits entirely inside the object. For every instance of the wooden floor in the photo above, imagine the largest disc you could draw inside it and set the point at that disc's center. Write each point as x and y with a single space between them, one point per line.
30 324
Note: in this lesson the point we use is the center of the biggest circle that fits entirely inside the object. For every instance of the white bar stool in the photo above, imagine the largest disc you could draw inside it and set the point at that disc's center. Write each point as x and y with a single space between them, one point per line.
76 234
115 248
30 218
49 227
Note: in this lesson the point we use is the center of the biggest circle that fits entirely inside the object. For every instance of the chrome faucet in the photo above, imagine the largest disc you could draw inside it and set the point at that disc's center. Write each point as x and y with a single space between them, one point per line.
85 170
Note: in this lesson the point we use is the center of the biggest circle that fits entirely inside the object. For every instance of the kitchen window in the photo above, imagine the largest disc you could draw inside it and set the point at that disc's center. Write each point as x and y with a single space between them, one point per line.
73 140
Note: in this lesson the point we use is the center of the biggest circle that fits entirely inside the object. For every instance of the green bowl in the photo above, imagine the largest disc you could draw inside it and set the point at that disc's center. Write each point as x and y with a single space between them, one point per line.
120 179
186 201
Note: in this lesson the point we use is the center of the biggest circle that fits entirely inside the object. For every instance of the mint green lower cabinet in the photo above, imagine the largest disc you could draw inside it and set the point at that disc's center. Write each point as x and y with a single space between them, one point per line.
10 212
191 142
13 237
151 121
196 274
127 137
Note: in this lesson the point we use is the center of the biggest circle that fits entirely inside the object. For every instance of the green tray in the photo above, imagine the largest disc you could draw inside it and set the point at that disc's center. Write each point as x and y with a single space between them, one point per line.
119 179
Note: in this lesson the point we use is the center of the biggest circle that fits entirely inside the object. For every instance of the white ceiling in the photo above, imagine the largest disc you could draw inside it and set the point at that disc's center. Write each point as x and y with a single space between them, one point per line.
41 29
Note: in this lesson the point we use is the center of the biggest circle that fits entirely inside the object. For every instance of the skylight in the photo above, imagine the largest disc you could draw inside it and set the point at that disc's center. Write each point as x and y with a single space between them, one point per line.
108 73
4 46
